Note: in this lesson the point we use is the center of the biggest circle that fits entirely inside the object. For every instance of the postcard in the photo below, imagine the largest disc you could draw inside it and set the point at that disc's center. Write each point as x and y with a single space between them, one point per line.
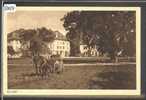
71 51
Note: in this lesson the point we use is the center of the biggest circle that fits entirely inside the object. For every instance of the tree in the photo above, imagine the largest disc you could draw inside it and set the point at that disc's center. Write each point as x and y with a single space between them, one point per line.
110 31
35 41
70 24
38 42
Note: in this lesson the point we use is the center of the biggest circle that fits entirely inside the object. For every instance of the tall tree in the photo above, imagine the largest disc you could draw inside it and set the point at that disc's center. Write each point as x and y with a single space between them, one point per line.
110 31
71 24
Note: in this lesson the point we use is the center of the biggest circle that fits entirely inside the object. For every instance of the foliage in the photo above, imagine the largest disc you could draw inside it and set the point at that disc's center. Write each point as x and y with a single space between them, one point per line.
70 22
35 40
112 32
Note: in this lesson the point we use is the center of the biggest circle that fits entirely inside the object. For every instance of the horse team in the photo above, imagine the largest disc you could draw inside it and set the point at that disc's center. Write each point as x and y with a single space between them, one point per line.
44 66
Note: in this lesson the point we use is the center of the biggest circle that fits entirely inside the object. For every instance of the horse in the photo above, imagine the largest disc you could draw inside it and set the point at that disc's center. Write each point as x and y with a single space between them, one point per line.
41 64
37 61
46 68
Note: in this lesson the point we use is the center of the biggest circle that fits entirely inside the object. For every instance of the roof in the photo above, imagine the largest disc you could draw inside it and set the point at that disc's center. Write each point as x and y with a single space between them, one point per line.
82 43
59 36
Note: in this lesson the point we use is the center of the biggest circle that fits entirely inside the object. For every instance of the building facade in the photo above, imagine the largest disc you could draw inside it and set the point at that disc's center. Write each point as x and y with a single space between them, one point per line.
60 45
15 45
88 51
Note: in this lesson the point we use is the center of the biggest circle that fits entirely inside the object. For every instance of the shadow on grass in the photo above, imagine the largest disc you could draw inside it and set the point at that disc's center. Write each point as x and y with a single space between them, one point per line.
115 79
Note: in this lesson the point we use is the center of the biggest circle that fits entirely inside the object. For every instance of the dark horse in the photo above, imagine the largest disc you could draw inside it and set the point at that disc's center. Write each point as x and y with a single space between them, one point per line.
37 62
43 66
47 67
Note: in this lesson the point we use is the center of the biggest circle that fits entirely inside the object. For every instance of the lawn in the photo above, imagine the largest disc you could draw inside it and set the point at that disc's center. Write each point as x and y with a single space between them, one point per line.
73 77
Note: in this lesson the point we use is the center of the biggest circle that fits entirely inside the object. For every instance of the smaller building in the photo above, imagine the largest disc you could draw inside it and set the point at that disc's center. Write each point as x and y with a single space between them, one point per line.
14 42
88 51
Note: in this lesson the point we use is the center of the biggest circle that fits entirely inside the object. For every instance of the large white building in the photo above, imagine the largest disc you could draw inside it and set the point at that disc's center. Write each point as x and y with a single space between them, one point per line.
60 45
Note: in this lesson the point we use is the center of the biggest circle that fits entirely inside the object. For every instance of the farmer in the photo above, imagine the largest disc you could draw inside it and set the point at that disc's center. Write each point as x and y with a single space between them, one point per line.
58 65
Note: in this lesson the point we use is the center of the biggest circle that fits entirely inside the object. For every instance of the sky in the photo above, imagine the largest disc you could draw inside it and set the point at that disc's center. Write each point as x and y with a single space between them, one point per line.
35 19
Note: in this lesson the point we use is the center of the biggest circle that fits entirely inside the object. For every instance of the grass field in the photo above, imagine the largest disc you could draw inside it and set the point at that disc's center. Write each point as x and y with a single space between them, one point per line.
80 77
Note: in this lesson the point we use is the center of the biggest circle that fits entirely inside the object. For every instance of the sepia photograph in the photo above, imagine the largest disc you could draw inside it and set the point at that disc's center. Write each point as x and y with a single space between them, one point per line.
71 51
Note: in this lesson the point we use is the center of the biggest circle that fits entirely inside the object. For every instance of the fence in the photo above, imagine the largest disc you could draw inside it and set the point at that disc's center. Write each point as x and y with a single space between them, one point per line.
80 61
96 59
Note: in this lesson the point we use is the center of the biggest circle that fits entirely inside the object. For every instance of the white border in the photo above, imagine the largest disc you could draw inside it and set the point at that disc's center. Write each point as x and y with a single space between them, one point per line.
63 92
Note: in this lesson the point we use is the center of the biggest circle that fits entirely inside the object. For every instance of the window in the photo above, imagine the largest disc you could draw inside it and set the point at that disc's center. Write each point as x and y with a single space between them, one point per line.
57 47
57 52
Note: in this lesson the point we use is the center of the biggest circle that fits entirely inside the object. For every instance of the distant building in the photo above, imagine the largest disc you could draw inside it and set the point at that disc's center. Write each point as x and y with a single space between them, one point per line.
83 49
86 51
15 44
14 41
60 45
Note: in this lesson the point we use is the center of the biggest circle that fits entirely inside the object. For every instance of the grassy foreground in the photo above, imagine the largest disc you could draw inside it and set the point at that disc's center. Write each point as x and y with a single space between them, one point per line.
80 77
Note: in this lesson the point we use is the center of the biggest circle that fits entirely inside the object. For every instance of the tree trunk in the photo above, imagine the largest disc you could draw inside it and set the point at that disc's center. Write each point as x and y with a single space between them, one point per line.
75 47
112 57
